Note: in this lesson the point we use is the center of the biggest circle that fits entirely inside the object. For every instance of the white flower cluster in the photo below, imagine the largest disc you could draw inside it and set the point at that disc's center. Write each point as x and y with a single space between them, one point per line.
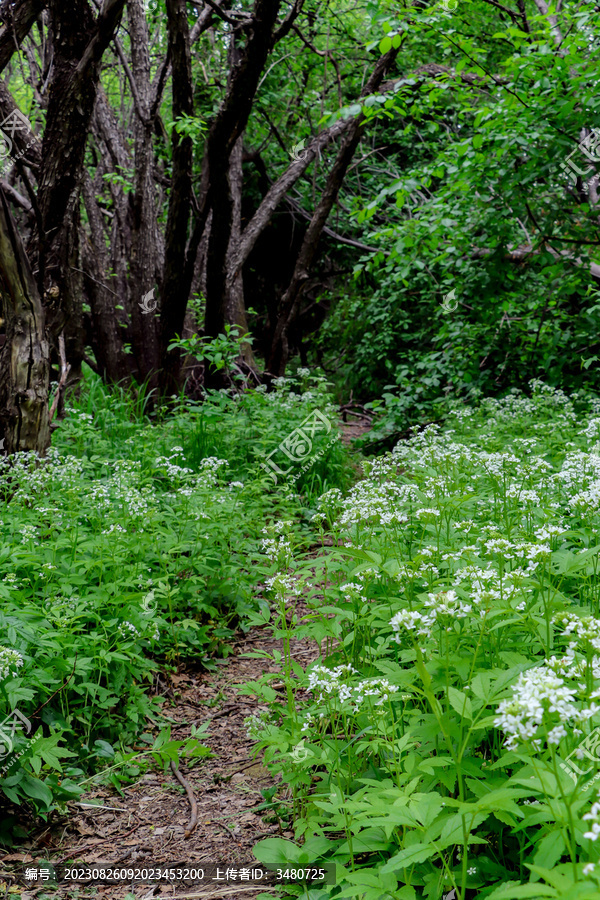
172 470
374 691
379 689
587 629
542 705
283 586
592 816
352 590
115 528
9 660
29 532
376 503
209 471
447 604
328 680
255 725
441 607
128 630
411 620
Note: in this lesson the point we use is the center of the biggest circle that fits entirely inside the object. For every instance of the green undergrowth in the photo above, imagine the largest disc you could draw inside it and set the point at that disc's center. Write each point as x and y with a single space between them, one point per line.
132 547
444 743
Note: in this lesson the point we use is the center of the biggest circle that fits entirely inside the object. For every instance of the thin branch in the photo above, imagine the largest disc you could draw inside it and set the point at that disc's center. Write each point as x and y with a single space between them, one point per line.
334 234
16 197
194 806
65 368
61 688
103 286
220 12
509 12
134 91
288 22
307 43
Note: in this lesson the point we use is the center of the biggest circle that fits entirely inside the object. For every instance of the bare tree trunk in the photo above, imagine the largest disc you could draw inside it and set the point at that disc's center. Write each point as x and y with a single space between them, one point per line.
24 359
235 309
106 337
290 301
174 295
227 128
79 43
145 268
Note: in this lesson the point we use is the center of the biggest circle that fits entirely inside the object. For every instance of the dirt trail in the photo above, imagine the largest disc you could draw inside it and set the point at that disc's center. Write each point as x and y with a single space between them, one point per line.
146 827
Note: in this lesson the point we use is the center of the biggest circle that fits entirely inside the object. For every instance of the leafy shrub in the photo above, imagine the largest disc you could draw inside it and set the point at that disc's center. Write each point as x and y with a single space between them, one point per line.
450 740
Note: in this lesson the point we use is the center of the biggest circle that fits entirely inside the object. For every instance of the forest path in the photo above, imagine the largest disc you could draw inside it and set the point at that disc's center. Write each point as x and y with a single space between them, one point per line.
145 828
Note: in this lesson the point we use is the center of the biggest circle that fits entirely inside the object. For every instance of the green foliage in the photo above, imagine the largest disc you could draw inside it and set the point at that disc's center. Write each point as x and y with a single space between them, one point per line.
123 554
221 352
246 428
449 743
470 194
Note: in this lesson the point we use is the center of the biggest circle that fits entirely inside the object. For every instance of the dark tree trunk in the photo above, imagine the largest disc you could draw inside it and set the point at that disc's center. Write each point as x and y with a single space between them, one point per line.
24 362
145 268
105 338
17 20
79 43
174 295
226 130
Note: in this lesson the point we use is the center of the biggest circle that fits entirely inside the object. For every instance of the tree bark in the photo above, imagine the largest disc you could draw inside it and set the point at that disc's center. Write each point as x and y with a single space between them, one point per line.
290 301
234 286
174 295
77 58
145 268
227 128
16 24
106 333
24 358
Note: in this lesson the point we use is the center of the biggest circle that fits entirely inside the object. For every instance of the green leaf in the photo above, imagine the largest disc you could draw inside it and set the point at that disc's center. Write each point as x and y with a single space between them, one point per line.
416 853
550 849
512 890
37 790
277 852
460 703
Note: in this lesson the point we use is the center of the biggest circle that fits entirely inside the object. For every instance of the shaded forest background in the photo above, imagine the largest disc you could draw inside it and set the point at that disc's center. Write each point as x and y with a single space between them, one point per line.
197 193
